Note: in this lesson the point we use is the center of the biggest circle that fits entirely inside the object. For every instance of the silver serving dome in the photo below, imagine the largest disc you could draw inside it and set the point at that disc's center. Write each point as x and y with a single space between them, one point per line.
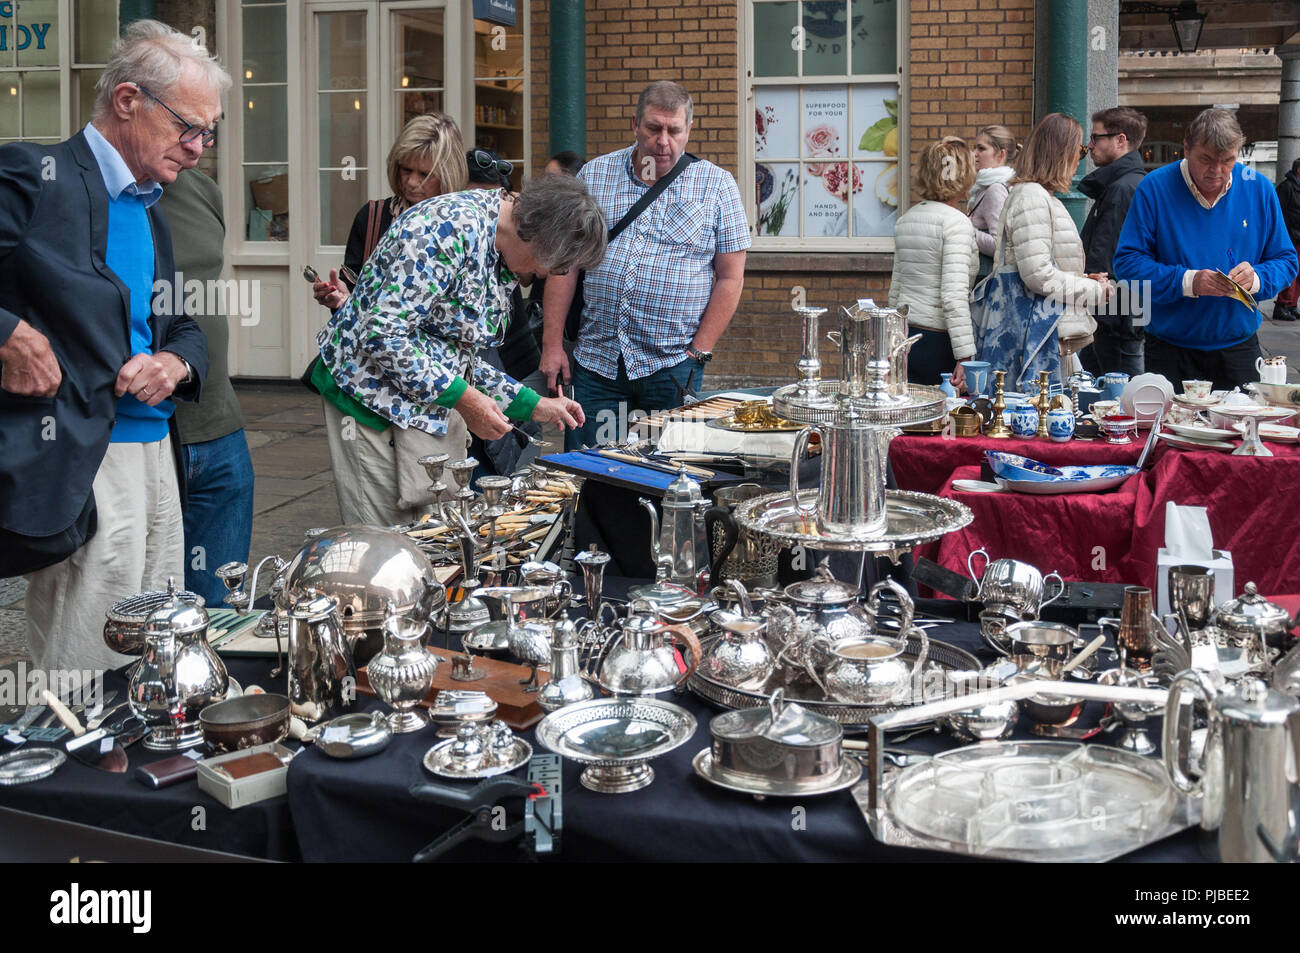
364 568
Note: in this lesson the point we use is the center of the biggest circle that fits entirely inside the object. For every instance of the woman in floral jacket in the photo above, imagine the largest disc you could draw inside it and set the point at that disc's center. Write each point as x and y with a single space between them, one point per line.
401 349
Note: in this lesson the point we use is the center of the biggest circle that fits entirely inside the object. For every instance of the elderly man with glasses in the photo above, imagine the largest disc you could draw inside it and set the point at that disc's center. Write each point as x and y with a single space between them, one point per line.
89 489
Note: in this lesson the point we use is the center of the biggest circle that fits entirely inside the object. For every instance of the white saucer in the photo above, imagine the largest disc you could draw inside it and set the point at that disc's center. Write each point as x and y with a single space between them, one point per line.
1197 401
1200 431
975 486
1187 443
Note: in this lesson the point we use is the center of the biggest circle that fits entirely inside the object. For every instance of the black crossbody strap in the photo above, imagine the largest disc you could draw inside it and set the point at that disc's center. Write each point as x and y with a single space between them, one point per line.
652 193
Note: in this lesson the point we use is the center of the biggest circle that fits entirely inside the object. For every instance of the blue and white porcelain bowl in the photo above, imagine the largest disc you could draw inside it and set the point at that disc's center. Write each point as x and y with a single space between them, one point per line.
1009 466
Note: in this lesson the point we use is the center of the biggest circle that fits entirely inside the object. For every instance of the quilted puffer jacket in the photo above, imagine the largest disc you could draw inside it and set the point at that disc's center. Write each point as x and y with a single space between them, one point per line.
935 262
1039 238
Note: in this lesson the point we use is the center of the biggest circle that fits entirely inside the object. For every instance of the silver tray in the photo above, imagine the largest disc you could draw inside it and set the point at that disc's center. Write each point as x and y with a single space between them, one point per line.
615 738
913 519
922 404
849 774
438 760
942 656
22 766
1066 802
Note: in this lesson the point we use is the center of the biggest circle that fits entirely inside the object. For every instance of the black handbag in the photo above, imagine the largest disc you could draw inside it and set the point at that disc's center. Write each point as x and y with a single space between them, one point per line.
573 319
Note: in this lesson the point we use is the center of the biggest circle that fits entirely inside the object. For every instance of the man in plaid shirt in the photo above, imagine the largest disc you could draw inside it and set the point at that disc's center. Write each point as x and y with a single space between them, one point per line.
669 284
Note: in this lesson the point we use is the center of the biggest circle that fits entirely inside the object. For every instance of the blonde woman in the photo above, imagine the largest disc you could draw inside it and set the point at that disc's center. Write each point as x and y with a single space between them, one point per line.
427 159
1038 297
995 150
935 261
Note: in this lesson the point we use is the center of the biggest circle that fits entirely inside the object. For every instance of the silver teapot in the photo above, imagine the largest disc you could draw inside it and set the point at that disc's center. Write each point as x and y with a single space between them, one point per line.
639 659
178 674
677 543
826 611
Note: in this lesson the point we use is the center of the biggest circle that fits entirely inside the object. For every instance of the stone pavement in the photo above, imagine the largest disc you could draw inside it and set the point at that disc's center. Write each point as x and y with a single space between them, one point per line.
295 488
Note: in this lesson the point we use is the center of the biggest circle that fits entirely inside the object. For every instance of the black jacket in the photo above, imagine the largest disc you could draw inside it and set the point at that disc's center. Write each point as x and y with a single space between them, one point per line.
1288 193
53 240
1111 188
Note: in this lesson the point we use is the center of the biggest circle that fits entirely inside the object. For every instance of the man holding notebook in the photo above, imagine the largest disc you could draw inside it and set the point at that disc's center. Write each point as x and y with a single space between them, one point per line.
1198 233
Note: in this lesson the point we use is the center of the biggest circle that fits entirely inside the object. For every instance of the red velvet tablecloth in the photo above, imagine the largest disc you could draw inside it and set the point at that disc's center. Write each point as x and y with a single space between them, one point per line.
1253 505
925 462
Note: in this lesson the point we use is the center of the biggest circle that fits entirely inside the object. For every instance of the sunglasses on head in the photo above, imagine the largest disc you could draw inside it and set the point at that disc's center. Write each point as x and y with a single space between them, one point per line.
486 162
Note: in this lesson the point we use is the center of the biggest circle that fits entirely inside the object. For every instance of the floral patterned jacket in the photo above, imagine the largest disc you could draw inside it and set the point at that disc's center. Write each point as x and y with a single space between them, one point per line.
434 291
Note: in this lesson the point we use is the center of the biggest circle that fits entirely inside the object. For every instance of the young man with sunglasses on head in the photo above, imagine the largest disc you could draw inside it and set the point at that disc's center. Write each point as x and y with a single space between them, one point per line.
89 486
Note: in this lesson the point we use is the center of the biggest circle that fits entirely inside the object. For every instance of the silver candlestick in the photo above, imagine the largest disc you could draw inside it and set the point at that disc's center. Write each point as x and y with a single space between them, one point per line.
433 465
461 470
810 365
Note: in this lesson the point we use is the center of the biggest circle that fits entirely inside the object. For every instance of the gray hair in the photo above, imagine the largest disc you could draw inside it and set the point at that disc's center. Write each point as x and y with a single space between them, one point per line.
153 55
1217 130
561 222
665 95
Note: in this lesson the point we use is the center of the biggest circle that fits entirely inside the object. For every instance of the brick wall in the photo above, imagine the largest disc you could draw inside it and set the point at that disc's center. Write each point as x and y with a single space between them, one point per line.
971 64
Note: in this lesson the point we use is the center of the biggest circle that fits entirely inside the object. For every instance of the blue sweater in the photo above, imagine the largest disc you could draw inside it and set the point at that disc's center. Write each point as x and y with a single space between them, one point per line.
1168 232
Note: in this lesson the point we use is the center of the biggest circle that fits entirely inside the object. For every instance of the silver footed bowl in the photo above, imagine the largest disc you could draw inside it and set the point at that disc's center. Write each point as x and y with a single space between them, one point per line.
616 738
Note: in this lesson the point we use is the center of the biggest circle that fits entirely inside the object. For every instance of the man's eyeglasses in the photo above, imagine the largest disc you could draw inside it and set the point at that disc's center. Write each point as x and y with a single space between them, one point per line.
191 131
1102 135
486 162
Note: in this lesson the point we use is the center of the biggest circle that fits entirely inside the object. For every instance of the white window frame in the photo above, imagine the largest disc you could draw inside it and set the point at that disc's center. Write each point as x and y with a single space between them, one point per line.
469 128
67 70
857 244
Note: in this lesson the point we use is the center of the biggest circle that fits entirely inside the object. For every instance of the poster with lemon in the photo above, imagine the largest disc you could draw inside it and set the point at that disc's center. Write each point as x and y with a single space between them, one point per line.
827 160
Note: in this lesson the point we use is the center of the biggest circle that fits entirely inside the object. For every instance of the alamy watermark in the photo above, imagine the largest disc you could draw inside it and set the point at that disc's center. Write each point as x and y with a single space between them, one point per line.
198 298
23 687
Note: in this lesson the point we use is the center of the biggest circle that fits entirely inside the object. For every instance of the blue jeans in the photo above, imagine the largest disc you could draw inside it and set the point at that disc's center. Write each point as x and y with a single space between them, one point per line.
609 403
218 512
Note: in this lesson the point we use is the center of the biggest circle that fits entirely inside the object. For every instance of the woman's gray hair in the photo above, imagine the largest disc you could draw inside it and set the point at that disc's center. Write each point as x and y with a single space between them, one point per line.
1217 130
153 55
561 222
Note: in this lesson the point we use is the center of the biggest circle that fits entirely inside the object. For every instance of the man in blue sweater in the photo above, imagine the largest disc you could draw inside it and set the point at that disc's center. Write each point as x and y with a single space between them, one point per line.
1189 221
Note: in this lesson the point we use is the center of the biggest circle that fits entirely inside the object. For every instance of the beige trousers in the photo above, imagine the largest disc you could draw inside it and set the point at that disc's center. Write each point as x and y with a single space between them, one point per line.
138 544
366 462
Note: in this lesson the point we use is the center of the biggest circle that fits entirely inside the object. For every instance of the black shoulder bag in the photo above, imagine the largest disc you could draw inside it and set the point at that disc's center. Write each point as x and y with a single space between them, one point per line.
574 318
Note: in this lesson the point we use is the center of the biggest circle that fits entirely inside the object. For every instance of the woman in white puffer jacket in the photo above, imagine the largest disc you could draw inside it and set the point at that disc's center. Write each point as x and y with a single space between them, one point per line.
995 149
935 260
1041 246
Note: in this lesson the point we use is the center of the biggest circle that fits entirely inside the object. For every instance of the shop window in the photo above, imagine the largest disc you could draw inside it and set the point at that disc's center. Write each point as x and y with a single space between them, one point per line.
419 83
264 88
34 65
499 92
342 99
824 134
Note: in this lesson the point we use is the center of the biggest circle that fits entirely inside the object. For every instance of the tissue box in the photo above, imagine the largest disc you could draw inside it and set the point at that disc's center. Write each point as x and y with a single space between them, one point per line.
1220 566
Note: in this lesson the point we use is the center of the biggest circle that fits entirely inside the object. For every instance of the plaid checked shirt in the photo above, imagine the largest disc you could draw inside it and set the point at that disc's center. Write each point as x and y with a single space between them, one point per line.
645 300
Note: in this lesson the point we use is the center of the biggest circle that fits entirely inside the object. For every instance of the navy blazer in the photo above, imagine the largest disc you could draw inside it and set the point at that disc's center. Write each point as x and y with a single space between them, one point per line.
53 239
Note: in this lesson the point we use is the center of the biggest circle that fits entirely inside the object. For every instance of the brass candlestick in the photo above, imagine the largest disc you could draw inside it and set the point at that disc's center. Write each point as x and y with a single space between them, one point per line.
1044 403
997 428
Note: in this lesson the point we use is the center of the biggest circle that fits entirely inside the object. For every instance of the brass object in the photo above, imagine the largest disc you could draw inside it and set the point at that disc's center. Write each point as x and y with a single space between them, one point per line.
997 427
966 421
1043 402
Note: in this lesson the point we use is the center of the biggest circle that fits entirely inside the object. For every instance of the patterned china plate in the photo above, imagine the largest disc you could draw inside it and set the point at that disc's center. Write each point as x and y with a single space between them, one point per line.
1274 433
1074 480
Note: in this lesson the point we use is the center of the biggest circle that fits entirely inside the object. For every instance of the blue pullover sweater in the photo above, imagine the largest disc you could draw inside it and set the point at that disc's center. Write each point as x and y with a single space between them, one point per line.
1168 232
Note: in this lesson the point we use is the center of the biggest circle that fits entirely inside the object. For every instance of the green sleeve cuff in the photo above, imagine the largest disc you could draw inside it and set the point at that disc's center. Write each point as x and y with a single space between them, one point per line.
452 394
522 407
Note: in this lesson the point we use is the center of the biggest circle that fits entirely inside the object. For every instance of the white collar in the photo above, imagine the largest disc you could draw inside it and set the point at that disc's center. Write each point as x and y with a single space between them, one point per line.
1196 193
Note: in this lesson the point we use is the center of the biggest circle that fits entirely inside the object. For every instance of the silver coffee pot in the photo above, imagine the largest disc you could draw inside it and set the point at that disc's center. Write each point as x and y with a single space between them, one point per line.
1249 769
322 674
677 543
178 674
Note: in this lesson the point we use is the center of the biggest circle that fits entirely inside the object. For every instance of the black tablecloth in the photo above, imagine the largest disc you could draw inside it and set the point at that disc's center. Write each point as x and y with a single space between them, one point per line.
363 811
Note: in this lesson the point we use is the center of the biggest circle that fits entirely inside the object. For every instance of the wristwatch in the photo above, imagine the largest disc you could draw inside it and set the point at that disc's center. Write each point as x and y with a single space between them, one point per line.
189 371
702 356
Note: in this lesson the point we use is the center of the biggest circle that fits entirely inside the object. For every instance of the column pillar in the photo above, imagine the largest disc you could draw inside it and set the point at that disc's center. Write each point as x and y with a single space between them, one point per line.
568 76
1288 110
1067 78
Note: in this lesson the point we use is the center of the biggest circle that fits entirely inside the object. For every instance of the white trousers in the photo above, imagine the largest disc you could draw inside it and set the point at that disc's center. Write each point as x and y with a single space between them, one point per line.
138 544
365 464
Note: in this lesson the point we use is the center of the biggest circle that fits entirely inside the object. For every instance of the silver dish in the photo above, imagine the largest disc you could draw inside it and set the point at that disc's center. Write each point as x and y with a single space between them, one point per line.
616 738
360 735
1031 801
438 760
922 404
455 707
913 518
849 774
942 658
20 767
488 637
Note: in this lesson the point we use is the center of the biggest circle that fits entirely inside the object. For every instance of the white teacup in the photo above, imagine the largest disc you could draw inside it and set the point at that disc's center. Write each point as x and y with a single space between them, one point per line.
1199 390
